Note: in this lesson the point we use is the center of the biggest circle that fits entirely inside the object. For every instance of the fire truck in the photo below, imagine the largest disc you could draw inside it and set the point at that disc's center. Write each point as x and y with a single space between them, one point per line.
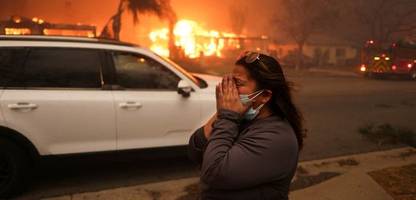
397 59
17 25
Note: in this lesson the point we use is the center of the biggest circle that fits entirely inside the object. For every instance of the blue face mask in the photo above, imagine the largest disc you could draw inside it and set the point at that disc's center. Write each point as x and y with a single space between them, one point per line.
245 98
251 112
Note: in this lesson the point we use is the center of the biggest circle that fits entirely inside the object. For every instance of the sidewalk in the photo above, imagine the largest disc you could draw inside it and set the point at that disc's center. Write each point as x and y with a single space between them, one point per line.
353 181
339 178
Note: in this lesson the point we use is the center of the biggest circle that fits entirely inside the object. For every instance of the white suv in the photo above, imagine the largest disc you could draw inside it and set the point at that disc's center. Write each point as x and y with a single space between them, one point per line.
63 95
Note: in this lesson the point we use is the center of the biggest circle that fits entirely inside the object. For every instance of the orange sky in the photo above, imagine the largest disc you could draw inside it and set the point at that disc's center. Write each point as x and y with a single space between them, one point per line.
212 14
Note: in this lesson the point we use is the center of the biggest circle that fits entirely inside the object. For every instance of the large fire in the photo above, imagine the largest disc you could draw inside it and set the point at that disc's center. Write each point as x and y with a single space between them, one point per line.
25 26
193 40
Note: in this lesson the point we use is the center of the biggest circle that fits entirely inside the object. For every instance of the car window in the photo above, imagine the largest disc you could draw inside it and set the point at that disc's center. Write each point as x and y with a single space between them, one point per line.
11 60
62 67
191 77
136 71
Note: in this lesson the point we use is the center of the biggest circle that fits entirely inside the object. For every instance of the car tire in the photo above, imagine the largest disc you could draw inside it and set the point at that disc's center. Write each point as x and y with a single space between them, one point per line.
14 169
412 75
371 75
378 76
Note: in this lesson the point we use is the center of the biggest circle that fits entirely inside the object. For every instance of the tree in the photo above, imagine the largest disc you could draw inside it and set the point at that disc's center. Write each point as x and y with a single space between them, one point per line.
299 19
382 21
386 19
160 8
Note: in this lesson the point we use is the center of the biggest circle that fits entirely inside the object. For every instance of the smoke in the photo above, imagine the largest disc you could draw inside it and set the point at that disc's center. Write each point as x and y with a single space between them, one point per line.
212 14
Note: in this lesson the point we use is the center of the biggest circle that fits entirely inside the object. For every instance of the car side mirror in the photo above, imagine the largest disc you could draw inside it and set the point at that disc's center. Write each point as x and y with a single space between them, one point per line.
184 88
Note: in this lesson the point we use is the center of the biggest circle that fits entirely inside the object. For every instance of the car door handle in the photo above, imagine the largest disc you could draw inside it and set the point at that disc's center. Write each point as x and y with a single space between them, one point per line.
130 104
22 106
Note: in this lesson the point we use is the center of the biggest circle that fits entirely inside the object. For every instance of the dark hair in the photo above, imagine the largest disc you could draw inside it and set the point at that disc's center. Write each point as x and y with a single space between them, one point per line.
281 102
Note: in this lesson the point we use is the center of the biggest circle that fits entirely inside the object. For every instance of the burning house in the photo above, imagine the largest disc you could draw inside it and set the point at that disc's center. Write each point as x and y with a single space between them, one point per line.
17 25
194 41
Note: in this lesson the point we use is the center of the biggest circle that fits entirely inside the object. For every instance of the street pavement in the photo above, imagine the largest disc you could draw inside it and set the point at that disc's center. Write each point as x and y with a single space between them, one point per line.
335 106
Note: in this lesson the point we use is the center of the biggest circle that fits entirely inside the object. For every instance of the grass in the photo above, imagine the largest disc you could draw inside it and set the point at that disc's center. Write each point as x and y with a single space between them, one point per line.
399 182
386 133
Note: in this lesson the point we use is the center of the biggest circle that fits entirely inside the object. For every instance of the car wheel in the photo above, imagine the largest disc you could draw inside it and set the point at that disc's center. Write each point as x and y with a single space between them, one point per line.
372 75
369 75
14 168
413 75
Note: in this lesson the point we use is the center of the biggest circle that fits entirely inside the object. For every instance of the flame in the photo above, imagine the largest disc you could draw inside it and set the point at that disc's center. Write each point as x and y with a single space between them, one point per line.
17 31
69 32
193 40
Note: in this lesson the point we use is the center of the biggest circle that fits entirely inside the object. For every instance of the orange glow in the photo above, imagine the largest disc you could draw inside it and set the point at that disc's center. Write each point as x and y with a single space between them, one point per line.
363 68
193 40
38 20
394 67
16 19
64 32
17 31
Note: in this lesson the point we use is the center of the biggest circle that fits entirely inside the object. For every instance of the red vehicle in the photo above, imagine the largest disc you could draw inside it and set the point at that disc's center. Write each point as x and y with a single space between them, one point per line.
398 59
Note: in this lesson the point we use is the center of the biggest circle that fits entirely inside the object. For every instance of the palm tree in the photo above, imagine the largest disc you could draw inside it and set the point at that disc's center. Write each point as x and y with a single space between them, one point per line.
160 8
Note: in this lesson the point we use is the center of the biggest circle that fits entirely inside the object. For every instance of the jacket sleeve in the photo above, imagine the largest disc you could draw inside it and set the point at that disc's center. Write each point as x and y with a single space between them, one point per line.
196 146
251 161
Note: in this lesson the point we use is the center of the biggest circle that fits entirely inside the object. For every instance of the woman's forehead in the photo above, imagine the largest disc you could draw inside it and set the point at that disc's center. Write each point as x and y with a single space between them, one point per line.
239 72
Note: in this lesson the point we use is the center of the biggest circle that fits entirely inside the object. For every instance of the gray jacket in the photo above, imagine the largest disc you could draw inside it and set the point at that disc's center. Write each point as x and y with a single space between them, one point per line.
245 160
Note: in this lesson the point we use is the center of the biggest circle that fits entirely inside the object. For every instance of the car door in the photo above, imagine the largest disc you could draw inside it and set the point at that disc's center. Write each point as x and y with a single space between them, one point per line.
149 110
11 59
58 102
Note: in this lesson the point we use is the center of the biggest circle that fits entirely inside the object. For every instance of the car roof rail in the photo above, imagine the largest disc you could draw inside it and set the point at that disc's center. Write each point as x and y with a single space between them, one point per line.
66 39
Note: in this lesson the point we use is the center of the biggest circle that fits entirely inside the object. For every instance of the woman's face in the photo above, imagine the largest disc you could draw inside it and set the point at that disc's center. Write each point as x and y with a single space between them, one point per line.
247 85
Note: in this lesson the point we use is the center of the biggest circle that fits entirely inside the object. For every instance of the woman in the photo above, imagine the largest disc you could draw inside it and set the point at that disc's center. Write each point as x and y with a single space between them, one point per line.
249 148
